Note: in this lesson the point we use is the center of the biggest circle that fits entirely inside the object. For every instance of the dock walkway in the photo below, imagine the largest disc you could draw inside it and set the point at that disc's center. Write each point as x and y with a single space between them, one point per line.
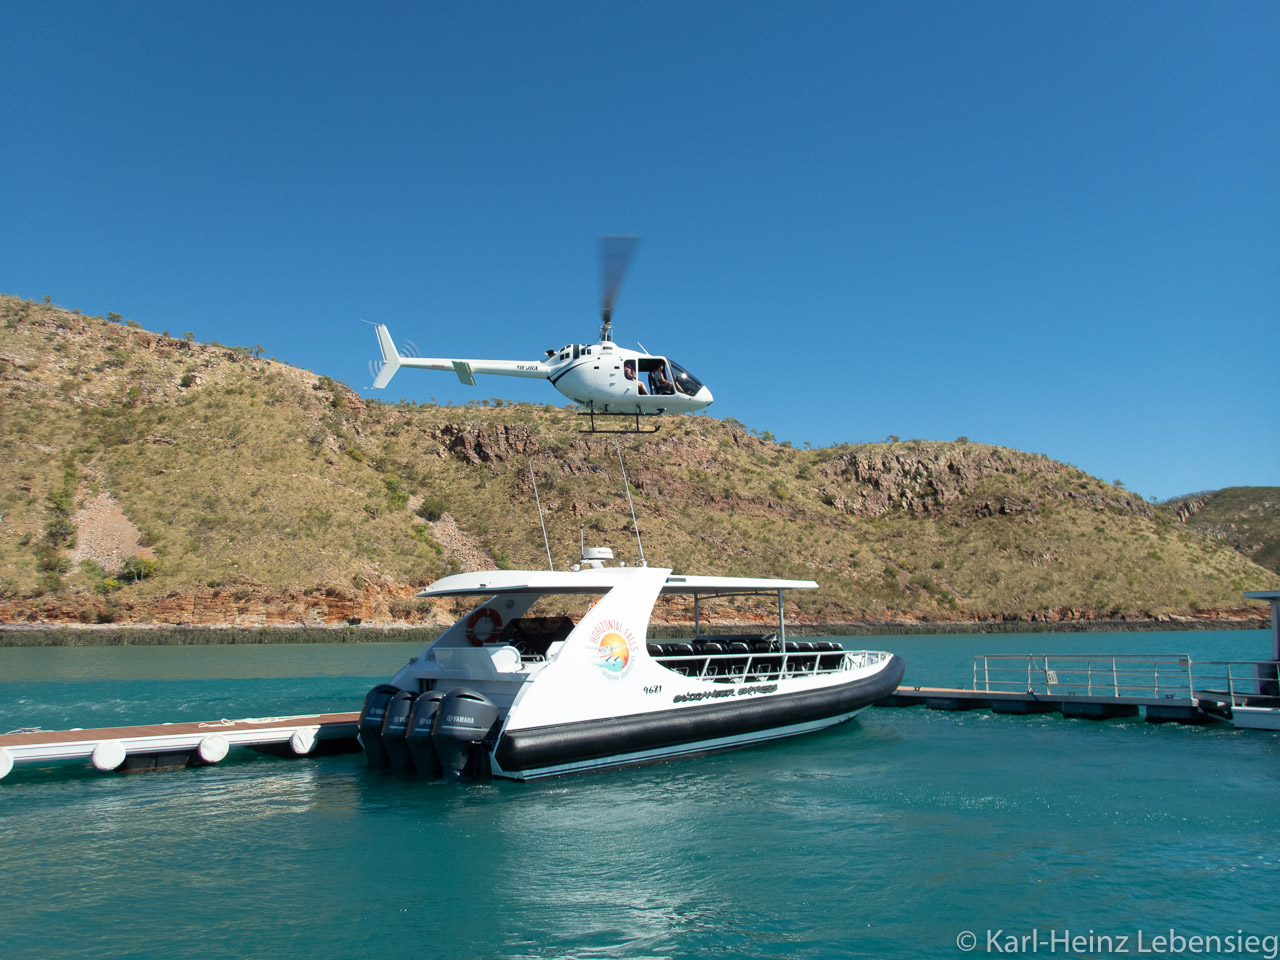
1101 707
165 745
1163 687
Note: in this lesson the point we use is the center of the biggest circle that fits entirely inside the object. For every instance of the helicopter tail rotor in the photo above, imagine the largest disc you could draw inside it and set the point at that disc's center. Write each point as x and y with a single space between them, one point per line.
615 256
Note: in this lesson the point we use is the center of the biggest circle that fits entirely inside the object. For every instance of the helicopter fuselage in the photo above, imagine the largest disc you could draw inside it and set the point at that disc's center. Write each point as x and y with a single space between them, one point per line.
614 379
602 376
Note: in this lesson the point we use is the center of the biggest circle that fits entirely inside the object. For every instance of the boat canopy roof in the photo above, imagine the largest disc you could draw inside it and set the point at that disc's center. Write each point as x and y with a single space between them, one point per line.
598 580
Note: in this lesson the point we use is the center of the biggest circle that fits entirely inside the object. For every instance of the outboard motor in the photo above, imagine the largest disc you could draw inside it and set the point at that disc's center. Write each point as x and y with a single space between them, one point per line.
393 731
465 720
422 721
372 714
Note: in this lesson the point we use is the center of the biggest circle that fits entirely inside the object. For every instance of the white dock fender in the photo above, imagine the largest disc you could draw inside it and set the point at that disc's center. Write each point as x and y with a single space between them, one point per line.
108 755
303 740
212 748
6 762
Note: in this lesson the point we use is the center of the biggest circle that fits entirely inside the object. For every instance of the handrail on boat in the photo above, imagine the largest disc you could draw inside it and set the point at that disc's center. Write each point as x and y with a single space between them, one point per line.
742 667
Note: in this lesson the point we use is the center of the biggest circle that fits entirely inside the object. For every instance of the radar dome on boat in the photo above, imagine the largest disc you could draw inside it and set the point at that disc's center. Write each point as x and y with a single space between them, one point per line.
597 553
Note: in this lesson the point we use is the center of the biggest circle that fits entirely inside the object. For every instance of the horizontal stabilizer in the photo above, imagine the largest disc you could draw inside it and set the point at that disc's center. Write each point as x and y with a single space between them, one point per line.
463 370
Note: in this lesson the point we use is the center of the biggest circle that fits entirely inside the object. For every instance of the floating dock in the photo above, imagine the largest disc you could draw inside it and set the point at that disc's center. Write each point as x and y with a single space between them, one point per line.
164 746
1163 687
1157 710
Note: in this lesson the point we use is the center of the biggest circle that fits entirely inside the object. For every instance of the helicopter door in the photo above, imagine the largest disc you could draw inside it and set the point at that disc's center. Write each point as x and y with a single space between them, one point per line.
654 372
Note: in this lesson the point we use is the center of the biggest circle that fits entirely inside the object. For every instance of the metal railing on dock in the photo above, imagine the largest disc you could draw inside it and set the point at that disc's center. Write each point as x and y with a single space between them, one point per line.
1117 675
1243 683
1166 687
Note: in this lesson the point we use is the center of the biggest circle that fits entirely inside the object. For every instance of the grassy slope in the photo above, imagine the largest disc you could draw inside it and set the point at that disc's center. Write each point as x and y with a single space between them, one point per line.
1248 518
259 477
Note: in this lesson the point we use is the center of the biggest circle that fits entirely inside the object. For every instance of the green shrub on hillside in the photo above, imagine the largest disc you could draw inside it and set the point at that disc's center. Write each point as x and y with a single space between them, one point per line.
432 508
139 568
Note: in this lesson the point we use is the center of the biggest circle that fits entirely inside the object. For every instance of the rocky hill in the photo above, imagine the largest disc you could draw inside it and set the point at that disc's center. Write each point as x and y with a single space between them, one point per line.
1248 518
153 479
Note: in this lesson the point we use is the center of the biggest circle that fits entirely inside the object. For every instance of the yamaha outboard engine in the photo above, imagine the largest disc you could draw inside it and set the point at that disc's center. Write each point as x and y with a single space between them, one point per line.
422 721
466 718
372 714
393 731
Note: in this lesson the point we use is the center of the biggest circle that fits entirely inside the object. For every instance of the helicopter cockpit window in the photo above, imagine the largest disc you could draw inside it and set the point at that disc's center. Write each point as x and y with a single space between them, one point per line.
686 382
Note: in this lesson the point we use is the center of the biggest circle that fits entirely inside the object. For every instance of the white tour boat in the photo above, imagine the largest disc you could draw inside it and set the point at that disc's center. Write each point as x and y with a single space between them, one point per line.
502 693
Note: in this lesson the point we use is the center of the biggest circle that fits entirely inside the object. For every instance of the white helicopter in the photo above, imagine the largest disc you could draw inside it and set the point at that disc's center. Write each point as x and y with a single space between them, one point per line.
609 380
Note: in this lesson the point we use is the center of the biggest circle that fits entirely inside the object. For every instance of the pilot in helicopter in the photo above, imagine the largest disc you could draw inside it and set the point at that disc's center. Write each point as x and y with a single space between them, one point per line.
659 382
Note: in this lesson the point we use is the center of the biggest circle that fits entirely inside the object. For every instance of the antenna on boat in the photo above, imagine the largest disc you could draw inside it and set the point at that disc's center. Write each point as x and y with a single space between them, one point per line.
545 541
627 486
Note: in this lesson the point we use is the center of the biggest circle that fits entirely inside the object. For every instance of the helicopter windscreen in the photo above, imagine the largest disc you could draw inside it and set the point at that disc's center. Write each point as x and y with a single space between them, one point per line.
686 382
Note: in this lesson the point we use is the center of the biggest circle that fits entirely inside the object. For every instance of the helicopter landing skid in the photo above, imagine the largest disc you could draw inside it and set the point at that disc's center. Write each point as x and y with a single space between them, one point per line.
593 413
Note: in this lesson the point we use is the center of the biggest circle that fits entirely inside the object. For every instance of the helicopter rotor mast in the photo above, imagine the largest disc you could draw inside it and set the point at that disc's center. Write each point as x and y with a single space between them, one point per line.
615 257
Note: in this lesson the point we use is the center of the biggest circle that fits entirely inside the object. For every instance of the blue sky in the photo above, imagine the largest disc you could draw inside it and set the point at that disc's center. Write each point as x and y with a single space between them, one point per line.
1051 226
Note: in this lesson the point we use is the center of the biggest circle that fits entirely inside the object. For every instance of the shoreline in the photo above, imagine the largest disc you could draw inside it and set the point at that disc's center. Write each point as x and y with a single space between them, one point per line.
110 635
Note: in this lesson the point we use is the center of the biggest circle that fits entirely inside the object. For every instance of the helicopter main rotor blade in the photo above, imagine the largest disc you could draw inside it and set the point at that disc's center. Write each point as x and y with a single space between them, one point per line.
615 255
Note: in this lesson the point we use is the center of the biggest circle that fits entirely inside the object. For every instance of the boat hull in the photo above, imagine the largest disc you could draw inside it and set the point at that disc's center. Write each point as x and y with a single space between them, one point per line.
532 752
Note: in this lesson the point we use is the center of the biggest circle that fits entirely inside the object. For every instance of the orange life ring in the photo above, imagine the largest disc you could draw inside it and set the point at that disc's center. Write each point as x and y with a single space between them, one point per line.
479 635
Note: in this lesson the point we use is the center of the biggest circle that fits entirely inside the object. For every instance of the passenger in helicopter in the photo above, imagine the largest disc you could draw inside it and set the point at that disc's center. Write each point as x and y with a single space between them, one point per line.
629 371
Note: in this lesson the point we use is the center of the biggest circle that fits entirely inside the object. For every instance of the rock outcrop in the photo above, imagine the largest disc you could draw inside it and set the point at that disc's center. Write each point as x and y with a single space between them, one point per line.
929 478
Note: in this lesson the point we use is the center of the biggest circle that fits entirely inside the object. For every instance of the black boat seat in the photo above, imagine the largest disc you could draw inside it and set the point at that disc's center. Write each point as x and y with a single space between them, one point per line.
743 652
755 656
533 636
675 657
713 665
800 656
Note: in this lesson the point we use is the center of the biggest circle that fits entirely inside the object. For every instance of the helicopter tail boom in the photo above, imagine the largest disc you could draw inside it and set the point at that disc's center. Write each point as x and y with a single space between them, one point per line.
465 369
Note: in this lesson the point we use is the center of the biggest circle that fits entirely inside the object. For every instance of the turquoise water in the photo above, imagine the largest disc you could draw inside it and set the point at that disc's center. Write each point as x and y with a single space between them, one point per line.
886 837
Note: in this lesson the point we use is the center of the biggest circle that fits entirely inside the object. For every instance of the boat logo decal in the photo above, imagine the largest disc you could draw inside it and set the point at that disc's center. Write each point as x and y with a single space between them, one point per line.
612 644
697 695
